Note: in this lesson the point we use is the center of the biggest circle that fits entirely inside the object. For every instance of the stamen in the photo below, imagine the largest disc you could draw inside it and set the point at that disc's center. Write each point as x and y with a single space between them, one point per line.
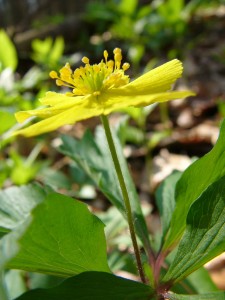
105 53
59 82
117 50
66 70
85 60
93 79
126 66
53 74
117 57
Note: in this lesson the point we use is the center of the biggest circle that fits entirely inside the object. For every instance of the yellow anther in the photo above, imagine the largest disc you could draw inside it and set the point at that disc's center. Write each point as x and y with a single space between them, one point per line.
59 82
85 60
105 53
53 74
117 51
126 66
65 71
66 68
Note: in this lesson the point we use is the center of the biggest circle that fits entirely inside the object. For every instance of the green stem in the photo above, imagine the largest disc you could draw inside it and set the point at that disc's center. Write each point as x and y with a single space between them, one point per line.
123 187
164 114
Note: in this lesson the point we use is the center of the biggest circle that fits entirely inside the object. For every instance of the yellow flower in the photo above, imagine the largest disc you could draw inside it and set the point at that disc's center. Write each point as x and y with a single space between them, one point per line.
101 89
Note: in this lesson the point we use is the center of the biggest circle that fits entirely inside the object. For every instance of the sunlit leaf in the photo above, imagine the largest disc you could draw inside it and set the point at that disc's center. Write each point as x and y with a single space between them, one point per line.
57 50
128 6
8 54
63 239
7 121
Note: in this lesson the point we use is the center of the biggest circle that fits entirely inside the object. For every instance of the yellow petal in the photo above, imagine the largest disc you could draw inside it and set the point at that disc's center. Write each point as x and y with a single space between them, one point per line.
150 88
43 113
157 80
114 101
22 116
52 98
84 110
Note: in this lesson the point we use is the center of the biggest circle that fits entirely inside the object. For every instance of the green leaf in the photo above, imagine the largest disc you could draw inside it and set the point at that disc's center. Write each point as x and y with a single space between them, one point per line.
7 121
139 114
128 6
136 51
45 281
171 11
54 178
64 239
9 245
210 296
198 282
47 51
94 158
165 199
204 237
57 50
3 231
96 163
132 134
135 113
202 282
8 55
193 182
16 204
157 137
23 173
41 49
94 286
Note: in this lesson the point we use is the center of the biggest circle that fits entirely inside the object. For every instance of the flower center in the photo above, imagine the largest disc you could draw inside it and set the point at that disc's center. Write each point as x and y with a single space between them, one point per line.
93 79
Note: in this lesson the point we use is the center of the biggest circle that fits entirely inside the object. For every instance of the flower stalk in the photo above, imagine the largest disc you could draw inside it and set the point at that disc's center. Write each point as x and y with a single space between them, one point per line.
123 187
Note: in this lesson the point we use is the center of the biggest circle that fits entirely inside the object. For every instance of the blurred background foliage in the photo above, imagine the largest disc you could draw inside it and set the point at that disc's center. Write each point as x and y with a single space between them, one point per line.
37 36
